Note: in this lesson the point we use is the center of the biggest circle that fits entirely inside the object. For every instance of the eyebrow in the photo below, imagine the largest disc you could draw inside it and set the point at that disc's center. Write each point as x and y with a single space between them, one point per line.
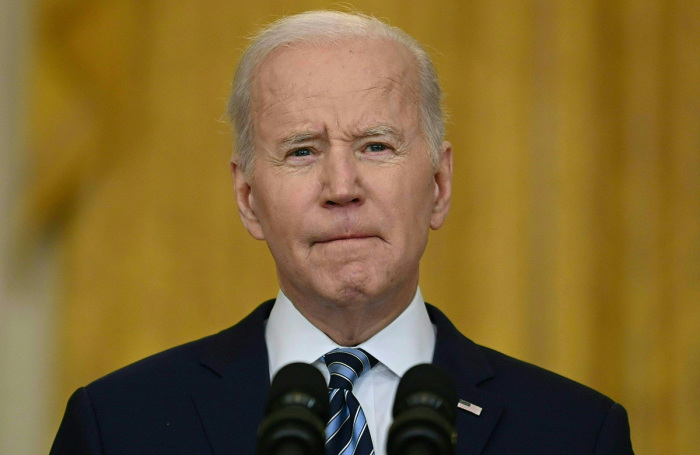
381 130
389 131
297 138
300 137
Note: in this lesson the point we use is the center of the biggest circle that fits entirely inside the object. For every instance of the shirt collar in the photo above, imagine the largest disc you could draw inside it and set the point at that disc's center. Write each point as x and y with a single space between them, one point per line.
407 341
290 337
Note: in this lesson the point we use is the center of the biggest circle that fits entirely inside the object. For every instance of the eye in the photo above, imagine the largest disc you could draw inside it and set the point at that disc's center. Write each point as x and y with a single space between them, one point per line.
376 147
304 151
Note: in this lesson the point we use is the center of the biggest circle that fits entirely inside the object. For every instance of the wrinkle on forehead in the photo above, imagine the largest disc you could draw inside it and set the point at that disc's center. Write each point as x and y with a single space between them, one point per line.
370 104
397 69
389 90
319 131
338 90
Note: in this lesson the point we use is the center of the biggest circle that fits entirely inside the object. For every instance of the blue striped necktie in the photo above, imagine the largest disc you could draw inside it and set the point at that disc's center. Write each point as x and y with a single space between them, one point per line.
347 432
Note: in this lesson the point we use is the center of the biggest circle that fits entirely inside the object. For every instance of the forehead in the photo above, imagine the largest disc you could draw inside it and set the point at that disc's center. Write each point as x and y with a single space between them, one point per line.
352 74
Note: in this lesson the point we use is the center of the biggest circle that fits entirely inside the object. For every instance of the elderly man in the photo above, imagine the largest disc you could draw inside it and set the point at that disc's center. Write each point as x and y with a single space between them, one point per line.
342 169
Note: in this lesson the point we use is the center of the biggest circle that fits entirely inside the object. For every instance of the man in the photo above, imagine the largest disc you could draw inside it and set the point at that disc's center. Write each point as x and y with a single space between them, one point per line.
342 169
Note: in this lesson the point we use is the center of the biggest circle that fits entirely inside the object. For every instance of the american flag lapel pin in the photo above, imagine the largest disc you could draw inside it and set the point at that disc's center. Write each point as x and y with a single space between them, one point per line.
469 407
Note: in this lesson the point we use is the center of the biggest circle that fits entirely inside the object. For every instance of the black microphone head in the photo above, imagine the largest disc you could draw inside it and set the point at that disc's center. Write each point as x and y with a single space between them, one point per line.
427 385
296 412
425 410
299 384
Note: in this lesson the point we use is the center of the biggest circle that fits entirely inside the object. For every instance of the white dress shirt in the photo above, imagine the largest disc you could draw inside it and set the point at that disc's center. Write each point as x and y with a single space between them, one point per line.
408 341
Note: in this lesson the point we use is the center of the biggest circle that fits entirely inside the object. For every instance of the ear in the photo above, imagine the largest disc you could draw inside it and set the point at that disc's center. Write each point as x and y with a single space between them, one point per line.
443 187
246 202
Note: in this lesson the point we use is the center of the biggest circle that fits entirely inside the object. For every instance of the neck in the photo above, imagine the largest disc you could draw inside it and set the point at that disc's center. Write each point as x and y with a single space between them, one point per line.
350 323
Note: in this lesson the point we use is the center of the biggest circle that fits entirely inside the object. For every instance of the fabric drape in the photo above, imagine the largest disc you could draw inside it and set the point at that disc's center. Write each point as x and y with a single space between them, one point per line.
572 240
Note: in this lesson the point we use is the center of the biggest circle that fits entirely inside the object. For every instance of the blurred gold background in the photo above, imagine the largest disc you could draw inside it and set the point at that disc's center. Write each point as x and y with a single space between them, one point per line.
573 240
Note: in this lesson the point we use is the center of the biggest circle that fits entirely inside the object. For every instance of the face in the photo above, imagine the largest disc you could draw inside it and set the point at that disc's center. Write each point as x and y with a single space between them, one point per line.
342 190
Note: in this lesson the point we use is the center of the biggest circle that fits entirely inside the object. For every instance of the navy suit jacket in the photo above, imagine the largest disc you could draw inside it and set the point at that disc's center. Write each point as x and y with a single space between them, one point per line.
207 397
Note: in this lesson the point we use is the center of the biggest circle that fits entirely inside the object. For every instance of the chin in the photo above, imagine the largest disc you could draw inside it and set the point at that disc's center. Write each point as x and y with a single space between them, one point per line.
356 292
341 294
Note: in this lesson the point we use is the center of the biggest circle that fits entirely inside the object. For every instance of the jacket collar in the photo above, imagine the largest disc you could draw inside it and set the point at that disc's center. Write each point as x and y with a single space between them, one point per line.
468 365
233 407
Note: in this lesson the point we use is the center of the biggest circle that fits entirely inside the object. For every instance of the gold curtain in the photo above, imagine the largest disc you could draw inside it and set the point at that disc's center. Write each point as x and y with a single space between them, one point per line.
573 240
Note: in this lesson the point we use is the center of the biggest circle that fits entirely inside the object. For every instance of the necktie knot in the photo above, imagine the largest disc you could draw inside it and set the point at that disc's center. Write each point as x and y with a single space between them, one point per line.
346 431
345 365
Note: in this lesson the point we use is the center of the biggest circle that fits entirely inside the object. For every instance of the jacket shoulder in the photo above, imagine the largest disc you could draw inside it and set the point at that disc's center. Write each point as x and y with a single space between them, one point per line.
151 405
533 410
517 378
552 413
187 363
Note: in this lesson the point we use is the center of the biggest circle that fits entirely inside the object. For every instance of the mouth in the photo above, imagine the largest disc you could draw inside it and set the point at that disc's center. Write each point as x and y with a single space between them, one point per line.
344 238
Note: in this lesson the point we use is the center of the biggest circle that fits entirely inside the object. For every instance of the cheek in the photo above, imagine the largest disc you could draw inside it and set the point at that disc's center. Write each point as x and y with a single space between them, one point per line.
417 199
406 212
281 208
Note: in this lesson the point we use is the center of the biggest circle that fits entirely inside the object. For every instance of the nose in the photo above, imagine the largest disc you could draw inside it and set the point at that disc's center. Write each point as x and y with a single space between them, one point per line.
341 179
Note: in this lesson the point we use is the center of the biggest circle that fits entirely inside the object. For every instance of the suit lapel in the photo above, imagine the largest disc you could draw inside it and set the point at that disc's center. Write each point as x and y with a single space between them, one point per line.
469 367
231 407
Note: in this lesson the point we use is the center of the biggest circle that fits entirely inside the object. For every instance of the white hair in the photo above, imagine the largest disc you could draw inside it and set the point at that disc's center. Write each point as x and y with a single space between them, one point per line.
321 28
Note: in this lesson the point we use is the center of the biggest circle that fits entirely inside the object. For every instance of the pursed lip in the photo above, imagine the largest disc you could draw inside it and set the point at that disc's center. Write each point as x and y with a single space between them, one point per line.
336 238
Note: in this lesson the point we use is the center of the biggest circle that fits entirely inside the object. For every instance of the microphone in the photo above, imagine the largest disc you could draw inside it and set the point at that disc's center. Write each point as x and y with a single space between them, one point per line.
295 413
425 409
